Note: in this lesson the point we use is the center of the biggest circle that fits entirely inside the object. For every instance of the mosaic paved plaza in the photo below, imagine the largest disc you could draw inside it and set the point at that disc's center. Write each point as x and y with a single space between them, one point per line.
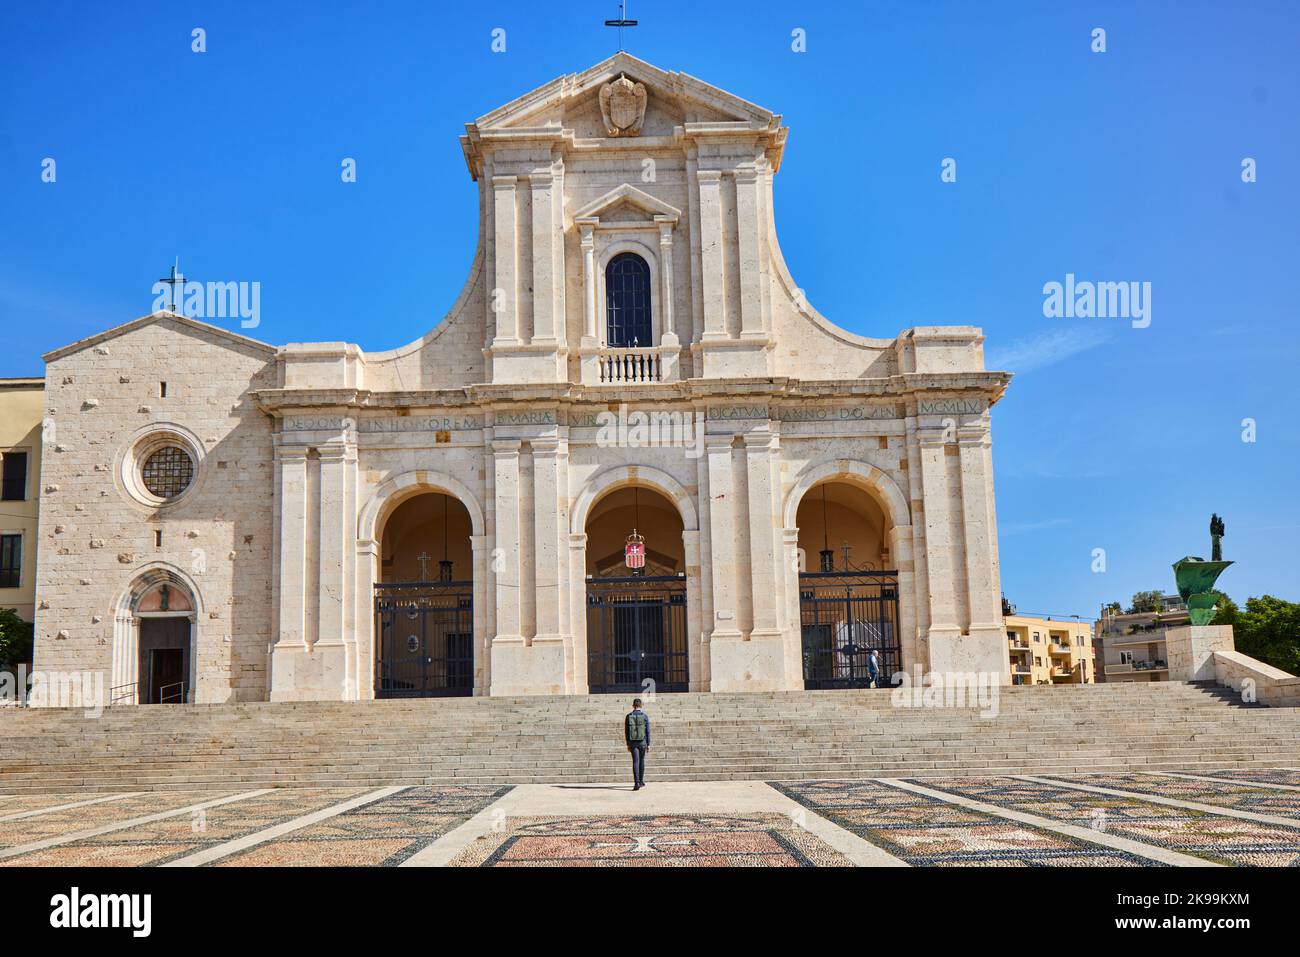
1218 818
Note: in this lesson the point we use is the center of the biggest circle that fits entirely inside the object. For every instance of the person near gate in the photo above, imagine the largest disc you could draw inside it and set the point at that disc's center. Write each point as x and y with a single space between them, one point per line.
636 730
873 669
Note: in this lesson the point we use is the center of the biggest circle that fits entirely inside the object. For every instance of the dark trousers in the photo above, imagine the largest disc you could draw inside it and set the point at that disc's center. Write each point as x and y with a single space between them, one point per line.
638 763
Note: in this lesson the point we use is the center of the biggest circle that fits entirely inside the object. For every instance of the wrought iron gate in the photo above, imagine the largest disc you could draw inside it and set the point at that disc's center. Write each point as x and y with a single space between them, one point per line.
636 632
843 615
425 635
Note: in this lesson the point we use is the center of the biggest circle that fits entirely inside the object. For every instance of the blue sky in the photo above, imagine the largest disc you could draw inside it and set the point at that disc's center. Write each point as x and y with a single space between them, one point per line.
1115 166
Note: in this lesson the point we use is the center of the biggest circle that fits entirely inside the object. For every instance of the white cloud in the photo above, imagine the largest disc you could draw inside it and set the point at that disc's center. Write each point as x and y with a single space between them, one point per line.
1035 352
1019 528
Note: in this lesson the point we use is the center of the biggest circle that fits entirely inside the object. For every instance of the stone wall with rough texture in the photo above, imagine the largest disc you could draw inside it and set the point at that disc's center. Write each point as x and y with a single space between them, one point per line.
95 539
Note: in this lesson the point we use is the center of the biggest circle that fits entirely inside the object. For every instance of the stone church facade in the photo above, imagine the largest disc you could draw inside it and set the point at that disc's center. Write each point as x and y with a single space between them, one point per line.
630 456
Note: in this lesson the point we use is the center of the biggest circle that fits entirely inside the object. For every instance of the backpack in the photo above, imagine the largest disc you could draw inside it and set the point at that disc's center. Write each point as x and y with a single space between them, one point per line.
636 727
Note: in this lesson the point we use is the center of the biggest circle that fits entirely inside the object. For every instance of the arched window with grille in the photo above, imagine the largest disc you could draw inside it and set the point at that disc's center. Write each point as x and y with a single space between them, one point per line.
627 302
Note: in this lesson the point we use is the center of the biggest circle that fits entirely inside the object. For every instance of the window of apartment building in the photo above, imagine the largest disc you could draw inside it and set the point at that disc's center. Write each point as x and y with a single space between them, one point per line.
1126 657
1036 638
1038 662
11 560
13 487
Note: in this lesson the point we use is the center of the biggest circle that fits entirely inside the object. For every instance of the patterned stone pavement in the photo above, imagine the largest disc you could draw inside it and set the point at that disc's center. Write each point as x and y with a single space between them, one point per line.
929 822
1240 797
926 832
382 833
1286 776
27 830
161 841
759 840
1221 840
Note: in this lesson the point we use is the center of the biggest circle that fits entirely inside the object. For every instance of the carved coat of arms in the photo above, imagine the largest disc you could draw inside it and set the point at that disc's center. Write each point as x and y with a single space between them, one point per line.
622 106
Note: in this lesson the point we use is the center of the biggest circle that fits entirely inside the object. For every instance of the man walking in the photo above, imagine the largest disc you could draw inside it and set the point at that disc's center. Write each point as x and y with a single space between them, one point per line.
873 669
636 729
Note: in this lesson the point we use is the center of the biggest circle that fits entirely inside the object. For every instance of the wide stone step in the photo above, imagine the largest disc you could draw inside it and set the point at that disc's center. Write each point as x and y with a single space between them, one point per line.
776 736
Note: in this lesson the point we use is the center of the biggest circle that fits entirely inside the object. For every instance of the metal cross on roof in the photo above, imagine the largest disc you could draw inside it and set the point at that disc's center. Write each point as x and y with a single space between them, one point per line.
174 280
621 22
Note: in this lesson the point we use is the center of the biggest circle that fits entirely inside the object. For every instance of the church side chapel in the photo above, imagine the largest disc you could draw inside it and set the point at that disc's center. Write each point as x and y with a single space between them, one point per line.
226 520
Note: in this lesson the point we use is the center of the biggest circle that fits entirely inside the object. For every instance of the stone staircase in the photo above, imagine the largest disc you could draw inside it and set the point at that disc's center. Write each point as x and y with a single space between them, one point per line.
577 739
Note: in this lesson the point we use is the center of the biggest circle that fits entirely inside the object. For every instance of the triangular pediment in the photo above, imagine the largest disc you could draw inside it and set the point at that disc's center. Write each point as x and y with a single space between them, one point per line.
626 202
181 323
572 102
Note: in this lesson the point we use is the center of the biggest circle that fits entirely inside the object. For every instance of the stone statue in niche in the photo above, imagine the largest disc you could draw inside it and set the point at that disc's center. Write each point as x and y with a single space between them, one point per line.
622 106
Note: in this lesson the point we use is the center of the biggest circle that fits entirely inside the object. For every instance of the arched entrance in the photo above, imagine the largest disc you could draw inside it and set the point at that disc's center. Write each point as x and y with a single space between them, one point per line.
848 588
636 594
424 600
153 641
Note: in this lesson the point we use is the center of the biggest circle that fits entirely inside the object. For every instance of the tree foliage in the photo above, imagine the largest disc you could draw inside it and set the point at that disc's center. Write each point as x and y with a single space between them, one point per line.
1267 628
15 639
1146 601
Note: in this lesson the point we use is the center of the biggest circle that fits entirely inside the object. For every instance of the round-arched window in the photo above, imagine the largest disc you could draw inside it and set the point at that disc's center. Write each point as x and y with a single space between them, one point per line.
167 471
627 302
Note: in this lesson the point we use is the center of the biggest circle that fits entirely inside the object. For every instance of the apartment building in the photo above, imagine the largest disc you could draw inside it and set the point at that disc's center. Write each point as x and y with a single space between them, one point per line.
1131 647
21 410
1048 651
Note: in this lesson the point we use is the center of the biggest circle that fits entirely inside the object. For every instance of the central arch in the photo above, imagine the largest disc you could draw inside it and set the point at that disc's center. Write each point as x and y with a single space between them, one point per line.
421 563
637 629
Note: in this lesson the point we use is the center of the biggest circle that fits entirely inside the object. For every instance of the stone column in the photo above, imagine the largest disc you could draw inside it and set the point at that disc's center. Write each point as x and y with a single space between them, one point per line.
697 650
576 662
901 556
366 573
669 341
753 271
291 638
550 467
482 559
547 281
985 603
126 657
712 278
335 460
793 629
985 647
505 455
503 297
666 278
940 549
587 229
336 640
763 551
722 538
293 544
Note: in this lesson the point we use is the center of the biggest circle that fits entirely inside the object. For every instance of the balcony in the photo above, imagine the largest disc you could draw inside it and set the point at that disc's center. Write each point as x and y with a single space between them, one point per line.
638 365
1137 667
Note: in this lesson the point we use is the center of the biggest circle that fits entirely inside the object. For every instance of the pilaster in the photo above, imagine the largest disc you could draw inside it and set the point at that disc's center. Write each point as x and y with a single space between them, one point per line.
503 297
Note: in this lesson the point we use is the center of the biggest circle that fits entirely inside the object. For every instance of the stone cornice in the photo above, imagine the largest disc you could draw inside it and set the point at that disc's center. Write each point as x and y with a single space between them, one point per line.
984 386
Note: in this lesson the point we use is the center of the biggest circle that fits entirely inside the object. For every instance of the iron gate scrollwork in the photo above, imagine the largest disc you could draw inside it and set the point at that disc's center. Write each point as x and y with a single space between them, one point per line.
843 616
425 635
636 631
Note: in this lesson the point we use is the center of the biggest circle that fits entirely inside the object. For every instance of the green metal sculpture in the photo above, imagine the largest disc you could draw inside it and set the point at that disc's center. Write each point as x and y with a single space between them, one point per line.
1196 577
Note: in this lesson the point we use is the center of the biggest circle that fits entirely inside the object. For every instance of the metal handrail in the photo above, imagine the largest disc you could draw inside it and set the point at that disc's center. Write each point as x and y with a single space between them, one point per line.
165 698
116 694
